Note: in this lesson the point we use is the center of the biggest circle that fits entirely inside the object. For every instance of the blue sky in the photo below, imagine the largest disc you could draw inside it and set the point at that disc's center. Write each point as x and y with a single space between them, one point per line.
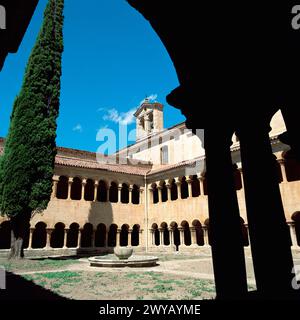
112 61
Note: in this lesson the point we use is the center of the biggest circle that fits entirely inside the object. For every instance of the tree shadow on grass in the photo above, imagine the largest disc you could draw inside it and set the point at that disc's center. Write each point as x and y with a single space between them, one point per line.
18 288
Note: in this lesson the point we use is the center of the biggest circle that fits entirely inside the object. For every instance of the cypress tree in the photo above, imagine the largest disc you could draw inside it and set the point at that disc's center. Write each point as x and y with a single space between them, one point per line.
26 168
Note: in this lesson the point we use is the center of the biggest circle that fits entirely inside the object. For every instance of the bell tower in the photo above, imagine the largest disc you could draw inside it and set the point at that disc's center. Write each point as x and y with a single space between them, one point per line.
149 119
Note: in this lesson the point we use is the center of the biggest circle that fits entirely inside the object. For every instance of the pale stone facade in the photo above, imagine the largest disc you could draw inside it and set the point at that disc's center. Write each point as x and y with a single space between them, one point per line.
157 204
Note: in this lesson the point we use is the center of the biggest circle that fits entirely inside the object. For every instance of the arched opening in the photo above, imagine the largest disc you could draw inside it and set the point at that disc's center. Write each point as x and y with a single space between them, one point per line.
174 190
135 236
62 188
186 232
57 236
39 236
100 236
166 234
135 194
89 190
112 235
102 191
87 235
292 167
199 232
113 192
184 188
156 234
244 233
237 177
195 186
76 189
296 219
72 237
5 235
155 193
125 193
176 234
164 191
124 235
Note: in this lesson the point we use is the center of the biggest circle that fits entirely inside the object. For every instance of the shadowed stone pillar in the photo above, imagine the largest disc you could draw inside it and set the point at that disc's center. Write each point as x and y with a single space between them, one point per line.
224 218
178 184
83 184
70 181
181 235
193 236
129 237
30 238
96 184
152 237
93 238
283 170
242 178
141 191
65 238
54 187
49 232
79 238
118 237
119 193
141 239
201 184
293 234
161 236
171 235
169 188
130 194
160 188
205 235
190 186
268 230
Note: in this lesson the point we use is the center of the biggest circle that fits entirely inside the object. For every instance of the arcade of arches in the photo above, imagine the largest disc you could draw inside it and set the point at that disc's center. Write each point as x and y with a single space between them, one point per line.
96 206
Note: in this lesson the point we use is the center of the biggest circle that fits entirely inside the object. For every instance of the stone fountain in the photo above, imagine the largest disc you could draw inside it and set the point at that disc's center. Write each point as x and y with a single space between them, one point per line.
123 257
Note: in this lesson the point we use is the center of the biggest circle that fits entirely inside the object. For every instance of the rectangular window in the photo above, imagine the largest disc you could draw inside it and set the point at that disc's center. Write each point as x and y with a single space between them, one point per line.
164 159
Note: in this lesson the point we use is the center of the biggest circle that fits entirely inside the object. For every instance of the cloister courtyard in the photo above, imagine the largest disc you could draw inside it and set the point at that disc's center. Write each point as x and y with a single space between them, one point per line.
176 276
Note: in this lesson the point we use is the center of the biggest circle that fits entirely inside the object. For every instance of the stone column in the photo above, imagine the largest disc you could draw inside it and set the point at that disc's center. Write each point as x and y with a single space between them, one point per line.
93 238
129 237
178 184
161 236
242 178
190 186
54 186
152 237
118 237
141 195
160 192
283 170
247 229
201 184
83 184
65 238
30 238
119 192
107 191
181 234
193 236
79 238
293 234
49 232
169 191
205 235
70 181
141 240
96 184
130 194
171 235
